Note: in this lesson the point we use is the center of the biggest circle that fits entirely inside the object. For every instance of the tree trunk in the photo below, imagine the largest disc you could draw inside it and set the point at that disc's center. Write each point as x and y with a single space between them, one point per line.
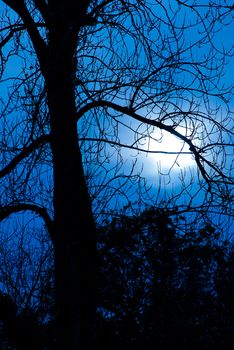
75 243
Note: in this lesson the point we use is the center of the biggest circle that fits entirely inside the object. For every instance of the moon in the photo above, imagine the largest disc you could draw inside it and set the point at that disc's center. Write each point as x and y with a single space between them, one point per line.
167 151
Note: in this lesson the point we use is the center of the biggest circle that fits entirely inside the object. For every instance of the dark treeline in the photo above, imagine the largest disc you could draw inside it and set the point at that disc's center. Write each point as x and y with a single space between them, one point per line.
157 288
160 289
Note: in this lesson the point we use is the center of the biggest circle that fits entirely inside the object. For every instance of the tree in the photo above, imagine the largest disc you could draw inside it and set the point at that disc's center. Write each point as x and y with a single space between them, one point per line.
158 287
86 71
20 329
27 289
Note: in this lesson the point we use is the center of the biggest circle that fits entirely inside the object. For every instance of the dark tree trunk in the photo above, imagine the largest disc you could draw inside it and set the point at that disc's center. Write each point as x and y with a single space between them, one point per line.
75 243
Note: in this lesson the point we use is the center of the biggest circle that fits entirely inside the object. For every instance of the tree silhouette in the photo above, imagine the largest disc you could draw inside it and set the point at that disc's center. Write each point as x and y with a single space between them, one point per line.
158 287
77 77
27 290
21 329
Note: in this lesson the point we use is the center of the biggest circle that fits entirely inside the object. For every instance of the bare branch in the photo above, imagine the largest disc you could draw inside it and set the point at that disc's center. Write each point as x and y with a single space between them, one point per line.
131 113
26 151
42 7
39 44
119 144
19 207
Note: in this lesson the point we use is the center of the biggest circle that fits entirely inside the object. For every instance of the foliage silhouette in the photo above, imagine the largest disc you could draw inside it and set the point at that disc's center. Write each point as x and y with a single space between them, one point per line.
159 287
21 329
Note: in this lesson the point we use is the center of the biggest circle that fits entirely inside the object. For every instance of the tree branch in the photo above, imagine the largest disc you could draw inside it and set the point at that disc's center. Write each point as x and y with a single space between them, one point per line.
41 211
26 151
39 44
43 8
9 36
131 113
135 148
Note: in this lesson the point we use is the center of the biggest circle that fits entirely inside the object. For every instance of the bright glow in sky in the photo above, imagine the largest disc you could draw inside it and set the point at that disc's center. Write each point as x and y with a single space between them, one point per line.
169 144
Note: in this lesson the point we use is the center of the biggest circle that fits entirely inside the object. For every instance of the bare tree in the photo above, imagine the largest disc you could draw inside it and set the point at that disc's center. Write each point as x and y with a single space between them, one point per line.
85 81
26 273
